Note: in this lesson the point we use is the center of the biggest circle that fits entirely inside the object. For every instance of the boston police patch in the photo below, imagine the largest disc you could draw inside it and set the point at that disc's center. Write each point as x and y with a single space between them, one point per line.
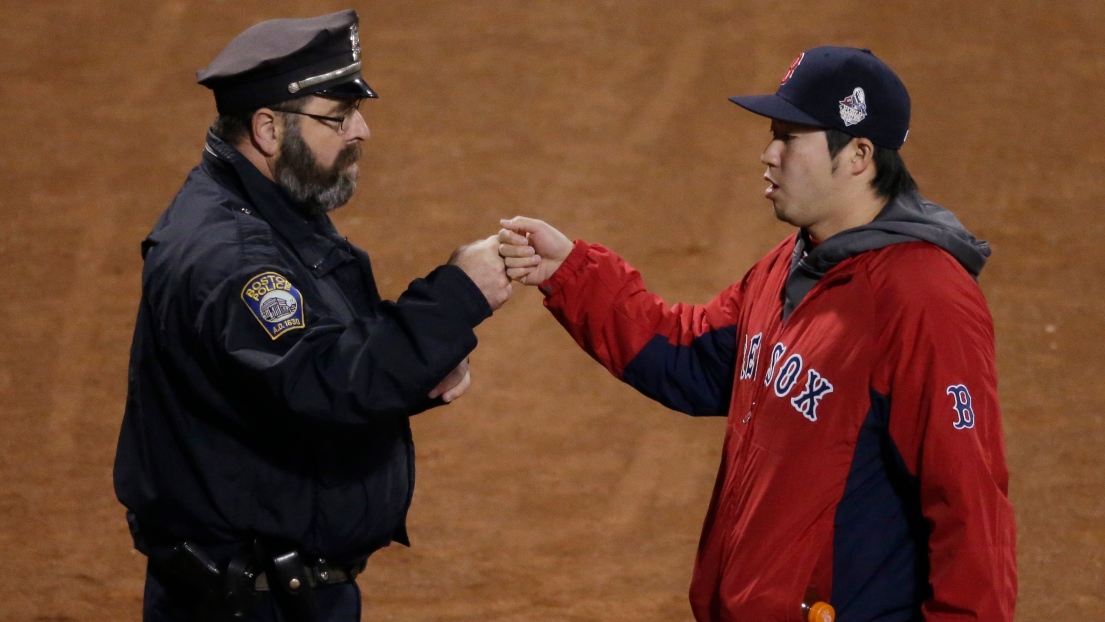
275 302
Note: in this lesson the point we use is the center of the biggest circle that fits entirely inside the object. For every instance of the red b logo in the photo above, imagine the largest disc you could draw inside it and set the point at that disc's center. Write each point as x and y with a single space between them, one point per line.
793 66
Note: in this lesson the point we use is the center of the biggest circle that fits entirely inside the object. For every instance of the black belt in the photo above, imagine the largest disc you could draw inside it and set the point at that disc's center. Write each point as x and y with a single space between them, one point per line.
320 573
233 588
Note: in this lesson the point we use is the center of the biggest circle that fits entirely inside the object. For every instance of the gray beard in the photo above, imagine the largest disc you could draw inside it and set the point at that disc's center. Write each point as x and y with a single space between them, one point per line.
317 189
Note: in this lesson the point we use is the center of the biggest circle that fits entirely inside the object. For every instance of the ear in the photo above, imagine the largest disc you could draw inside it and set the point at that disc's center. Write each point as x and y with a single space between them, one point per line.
863 155
265 132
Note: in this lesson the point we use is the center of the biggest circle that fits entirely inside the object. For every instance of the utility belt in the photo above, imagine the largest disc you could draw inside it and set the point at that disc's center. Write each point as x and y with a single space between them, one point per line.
234 588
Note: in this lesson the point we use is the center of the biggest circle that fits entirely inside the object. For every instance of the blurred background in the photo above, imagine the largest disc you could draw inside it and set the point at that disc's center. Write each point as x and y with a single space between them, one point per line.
550 491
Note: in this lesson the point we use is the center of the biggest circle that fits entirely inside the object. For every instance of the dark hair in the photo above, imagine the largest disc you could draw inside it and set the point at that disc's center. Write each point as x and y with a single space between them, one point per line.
891 176
235 126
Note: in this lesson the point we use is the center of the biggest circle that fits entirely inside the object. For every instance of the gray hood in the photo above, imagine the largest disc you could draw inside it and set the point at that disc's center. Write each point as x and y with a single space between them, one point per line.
908 218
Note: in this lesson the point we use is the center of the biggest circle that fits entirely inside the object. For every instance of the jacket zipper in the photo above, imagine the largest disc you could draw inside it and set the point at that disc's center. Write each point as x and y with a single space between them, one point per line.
777 331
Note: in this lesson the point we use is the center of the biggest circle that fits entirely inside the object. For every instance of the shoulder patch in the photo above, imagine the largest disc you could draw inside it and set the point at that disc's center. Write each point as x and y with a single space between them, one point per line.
275 302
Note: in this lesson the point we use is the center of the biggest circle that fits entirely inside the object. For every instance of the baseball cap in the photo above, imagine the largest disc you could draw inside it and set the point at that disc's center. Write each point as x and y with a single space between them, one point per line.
847 89
281 59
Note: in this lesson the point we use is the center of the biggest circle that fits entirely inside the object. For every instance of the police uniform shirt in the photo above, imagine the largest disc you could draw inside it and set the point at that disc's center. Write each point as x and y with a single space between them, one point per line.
269 385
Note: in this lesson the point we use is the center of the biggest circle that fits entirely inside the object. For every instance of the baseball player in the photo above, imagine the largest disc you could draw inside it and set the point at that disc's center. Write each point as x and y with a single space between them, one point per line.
265 450
863 463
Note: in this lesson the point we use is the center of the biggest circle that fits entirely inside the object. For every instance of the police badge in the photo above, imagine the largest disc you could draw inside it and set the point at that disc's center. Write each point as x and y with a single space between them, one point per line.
275 302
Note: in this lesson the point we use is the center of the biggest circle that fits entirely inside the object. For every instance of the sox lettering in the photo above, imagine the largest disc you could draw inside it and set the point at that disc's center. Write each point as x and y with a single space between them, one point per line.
776 353
807 401
962 406
786 376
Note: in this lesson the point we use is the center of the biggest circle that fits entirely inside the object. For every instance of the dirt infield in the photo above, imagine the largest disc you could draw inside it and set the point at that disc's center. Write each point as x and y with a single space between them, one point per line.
550 492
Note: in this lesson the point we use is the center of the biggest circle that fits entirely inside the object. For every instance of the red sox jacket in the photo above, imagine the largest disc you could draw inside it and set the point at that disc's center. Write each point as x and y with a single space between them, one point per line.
863 456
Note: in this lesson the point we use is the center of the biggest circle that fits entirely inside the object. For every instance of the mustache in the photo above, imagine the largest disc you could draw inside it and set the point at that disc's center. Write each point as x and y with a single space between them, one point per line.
347 156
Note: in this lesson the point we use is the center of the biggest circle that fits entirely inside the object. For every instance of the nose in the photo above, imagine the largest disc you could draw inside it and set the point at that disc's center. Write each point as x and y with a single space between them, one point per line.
770 155
358 130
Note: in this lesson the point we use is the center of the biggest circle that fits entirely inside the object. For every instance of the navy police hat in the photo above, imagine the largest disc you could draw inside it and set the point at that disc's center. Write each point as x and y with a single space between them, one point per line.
846 89
281 59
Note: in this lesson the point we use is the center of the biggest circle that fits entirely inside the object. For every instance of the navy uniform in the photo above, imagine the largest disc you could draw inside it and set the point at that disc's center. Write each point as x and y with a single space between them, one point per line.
265 451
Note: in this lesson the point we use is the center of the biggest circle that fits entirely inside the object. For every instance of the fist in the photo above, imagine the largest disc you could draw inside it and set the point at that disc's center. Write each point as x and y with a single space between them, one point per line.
532 249
482 263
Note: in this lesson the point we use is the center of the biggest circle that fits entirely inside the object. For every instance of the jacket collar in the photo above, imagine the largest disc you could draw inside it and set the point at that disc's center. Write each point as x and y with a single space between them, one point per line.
909 217
313 238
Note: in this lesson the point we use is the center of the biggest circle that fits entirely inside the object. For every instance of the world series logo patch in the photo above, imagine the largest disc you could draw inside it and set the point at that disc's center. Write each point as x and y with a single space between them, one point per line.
275 302
853 108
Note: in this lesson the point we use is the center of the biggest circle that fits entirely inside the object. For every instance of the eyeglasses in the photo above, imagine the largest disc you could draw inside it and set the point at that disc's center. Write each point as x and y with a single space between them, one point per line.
344 122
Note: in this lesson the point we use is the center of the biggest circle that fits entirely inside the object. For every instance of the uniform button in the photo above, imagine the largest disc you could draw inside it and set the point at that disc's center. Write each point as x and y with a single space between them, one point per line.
294 584
324 575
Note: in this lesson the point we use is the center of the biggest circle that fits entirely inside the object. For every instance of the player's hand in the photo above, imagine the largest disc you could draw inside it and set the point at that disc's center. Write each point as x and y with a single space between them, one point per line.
482 263
532 249
455 384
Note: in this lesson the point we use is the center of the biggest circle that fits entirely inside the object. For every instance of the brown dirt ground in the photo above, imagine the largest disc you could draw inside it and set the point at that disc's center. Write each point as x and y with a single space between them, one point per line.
551 491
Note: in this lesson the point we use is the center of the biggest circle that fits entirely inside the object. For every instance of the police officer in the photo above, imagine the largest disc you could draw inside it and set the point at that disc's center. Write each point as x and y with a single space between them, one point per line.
265 450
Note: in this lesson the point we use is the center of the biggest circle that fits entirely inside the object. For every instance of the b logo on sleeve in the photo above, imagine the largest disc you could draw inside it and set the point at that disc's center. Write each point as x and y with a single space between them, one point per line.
963 408
275 302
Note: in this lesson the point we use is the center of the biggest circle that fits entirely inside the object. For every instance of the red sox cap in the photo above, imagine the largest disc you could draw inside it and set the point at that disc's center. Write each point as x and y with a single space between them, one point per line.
847 89
281 59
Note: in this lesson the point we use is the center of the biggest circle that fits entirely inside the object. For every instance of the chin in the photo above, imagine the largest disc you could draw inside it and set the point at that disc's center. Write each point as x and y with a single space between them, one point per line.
790 220
780 212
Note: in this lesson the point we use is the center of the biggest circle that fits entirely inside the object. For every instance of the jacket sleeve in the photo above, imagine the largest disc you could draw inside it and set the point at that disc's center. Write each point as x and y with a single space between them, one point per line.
938 345
683 356
377 366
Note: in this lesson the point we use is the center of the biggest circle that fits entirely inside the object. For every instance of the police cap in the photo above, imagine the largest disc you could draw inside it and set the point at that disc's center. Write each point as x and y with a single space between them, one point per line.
281 59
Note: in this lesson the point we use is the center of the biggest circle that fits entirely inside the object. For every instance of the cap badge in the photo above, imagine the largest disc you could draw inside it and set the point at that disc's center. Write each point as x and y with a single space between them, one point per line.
853 108
793 66
355 40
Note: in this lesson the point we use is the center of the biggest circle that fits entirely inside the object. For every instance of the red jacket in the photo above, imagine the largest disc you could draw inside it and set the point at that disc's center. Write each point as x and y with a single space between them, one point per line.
864 455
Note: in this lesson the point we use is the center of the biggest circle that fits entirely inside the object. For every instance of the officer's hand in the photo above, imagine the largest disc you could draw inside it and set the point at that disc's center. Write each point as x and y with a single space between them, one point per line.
532 249
481 262
455 384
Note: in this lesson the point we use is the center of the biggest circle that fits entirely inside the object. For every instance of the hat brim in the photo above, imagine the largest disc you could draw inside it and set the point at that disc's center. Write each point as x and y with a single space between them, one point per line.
353 89
775 107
